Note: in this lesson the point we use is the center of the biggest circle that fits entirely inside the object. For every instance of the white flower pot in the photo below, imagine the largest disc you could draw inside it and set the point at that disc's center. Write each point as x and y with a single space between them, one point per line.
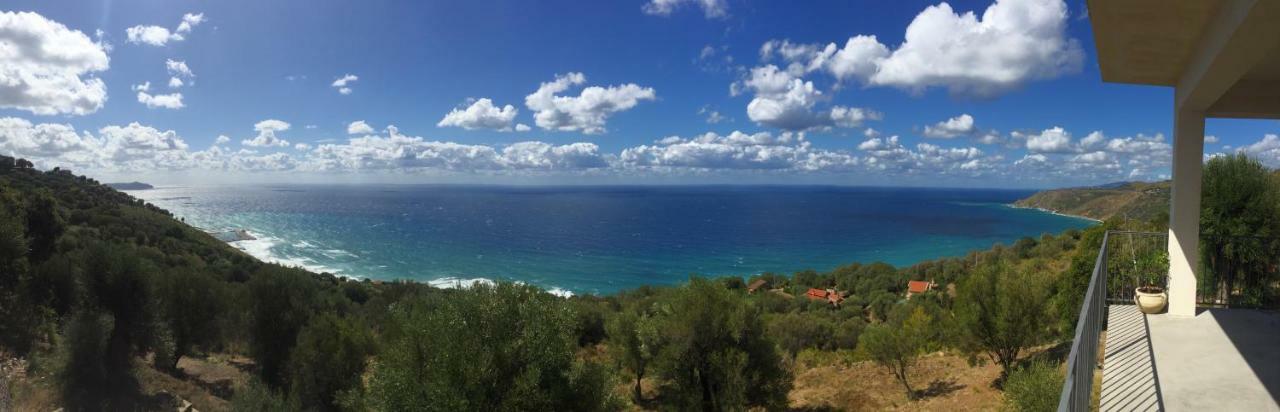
1150 302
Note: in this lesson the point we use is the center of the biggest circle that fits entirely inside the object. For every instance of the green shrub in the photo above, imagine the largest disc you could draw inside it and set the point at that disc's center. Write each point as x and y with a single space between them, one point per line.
258 397
1034 387
329 358
499 347
82 379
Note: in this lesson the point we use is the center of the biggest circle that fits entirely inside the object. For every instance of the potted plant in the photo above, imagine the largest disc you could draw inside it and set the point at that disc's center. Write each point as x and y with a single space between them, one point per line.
1151 270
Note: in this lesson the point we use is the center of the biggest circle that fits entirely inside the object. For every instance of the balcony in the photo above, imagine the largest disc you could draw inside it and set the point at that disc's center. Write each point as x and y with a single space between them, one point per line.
1224 357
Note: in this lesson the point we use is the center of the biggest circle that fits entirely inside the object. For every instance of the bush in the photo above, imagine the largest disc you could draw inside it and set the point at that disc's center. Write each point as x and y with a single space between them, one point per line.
82 378
191 305
280 306
330 357
499 347
1001 313
1034 387
716 354
259 397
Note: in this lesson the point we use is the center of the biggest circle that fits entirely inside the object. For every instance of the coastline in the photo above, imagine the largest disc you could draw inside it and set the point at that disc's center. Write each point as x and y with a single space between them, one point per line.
259 245
1053 212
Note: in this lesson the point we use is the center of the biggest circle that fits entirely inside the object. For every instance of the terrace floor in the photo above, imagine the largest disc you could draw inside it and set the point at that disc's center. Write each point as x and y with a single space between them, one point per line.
1221 359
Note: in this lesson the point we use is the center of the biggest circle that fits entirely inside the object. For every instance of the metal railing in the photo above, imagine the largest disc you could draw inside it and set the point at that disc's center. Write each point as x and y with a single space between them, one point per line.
1235 271
1077 390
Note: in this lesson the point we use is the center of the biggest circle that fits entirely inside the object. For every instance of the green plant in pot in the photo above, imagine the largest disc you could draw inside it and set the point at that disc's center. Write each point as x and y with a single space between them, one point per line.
1151 269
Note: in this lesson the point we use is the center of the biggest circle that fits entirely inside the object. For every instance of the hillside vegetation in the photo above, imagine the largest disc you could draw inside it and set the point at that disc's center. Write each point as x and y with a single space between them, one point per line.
1135 201
108 303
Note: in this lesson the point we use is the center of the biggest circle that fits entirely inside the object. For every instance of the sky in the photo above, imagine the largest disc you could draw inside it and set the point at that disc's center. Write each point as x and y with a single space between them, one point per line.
903 93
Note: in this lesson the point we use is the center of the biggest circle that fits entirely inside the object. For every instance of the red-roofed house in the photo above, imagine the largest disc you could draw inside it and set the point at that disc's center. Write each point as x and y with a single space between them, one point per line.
830 295
917 287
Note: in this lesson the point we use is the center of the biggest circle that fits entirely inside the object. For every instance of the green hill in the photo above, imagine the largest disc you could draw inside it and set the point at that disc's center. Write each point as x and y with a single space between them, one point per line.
110 303
1130 200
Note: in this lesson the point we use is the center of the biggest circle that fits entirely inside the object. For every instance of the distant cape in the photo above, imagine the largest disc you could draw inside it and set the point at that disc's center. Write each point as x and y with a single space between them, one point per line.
130 186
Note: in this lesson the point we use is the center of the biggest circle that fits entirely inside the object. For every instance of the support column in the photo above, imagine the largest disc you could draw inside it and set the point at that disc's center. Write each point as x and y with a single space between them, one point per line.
1184 211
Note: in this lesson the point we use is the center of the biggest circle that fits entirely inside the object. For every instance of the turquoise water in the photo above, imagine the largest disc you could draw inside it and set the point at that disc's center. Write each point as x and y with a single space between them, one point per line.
601 239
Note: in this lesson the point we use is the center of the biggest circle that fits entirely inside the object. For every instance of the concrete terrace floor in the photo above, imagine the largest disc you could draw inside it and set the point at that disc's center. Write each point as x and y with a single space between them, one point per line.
1219 360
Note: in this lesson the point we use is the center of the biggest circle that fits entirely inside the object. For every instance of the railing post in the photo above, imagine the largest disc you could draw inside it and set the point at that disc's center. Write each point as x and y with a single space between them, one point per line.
1077 388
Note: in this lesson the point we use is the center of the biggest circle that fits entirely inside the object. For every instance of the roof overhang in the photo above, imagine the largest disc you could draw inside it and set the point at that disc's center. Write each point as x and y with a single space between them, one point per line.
1222 56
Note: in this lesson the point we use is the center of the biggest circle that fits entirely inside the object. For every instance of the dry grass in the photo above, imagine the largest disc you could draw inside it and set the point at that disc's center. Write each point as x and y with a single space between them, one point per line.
208 383
946 383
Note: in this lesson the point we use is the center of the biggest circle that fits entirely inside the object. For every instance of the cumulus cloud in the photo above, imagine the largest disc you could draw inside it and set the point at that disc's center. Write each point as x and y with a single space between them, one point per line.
890 155
481 114
710 8
266 137
396 151
359 127
343 83
1211 139
787 102
159 36
1266 150
1013 42
712 116
737 150
49 69
586 112
164 101
178 68
1053 140
961 125
222 139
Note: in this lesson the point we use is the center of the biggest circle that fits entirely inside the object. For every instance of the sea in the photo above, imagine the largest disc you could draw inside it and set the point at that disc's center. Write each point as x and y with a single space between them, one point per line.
599 239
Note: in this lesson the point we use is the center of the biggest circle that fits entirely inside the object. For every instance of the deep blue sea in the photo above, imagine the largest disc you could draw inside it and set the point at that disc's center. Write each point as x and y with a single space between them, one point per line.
601 239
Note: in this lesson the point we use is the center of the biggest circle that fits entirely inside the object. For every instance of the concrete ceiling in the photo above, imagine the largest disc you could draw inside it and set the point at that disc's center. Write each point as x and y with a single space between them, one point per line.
1223 56
1148 41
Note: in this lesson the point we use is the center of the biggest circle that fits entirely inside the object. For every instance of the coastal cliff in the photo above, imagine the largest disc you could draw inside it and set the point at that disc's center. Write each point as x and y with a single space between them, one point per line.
1127 200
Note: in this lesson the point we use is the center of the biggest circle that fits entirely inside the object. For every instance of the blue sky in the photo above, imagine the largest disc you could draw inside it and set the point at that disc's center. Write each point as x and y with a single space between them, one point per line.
1019 83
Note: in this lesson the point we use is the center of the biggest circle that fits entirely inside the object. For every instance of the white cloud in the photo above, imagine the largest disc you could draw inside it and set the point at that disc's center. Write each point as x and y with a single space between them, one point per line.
396 151
178 68
1266 150
49 69
175 83
359 127
788 102
301 147
481 114
1014 41
1092 141
222 139
266 137
1054 140
165 101
587 112
710 8
41 141
1211 139
343 83
712 116
890 155
737 150
523 127
190 21
159 36
871 133
961 125
852 116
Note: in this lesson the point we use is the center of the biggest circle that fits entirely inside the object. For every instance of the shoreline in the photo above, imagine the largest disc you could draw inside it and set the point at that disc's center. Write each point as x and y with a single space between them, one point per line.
1053 212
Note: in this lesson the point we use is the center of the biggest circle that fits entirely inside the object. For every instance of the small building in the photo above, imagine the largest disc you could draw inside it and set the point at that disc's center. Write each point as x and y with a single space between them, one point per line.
916 287
757 285
832 296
